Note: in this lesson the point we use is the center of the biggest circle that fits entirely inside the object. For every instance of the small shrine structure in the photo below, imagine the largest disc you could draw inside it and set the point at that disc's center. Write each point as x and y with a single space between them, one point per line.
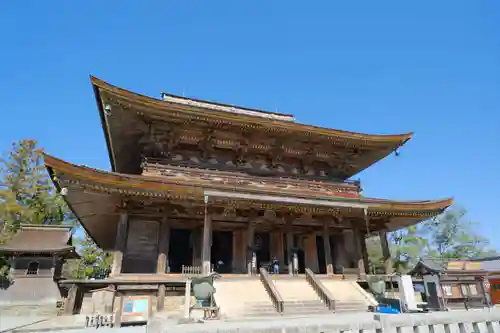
36 255
453 283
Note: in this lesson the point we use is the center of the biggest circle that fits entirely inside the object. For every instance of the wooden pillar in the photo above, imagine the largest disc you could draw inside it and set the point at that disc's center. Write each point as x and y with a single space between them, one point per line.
289 245
207 242
160 301
187 299
386 252
250 247
277 246
364 253
69 304
163 246
327 249
311 252
357 237
341 255
120 243
239 251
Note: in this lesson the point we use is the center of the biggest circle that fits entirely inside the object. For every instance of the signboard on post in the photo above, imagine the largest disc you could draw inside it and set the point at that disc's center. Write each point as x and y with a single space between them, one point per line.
135 309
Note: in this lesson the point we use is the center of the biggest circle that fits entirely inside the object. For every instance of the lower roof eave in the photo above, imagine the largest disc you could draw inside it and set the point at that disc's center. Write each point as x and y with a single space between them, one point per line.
136 185
273 198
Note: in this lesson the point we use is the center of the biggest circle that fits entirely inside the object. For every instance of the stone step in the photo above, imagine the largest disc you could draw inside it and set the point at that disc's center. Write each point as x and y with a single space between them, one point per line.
295 289
241 298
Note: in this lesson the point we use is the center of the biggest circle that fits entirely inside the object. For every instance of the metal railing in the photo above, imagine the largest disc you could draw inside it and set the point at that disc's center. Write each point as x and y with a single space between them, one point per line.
271 290
323 293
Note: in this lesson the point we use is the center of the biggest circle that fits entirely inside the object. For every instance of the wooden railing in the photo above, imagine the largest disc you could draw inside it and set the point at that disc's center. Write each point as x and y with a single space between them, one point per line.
271 290
321 291
194 270
350 271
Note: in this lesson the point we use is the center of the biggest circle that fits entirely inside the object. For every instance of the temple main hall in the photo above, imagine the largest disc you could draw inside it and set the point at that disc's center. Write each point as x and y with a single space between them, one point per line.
203 186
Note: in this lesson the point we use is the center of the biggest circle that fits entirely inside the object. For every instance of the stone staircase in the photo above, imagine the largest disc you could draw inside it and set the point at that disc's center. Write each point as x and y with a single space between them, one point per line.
348 295
245 297
298 296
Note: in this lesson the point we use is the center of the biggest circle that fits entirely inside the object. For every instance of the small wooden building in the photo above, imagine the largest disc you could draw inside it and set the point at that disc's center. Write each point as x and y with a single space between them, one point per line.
452 283
492 266
36 254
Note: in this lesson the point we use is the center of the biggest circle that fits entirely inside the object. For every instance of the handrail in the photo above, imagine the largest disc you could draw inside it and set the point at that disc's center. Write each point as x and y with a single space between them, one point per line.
319 288
271 290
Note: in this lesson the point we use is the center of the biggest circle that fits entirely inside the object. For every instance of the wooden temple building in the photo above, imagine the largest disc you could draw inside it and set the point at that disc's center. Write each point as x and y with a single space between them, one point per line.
36 254
204 184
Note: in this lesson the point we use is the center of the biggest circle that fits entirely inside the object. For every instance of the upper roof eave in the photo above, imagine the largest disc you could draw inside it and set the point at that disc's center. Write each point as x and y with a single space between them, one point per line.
151 183
161 105
154 102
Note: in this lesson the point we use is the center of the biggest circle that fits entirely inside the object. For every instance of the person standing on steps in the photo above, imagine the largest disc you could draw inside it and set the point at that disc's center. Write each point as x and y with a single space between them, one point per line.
276 266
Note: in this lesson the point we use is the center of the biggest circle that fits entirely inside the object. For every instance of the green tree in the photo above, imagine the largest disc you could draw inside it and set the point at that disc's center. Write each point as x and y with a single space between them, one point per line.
93 263
451 235
405 246
26 191
375 257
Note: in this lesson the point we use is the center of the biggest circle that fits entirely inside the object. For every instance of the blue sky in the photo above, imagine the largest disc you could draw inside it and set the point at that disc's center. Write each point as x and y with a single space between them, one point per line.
432 67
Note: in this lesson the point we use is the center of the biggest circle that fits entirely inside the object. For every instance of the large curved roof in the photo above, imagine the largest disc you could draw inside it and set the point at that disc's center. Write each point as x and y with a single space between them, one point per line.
86 183
197 111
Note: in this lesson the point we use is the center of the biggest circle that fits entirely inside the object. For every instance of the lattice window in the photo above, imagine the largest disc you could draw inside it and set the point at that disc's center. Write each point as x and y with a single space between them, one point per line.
447 290
32 268
473 290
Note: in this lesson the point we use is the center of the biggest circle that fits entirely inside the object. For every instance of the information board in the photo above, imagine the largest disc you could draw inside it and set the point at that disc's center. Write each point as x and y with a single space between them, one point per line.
135 309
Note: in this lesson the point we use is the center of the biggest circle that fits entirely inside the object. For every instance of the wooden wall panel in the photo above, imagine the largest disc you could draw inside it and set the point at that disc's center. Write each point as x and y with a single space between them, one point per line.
141 252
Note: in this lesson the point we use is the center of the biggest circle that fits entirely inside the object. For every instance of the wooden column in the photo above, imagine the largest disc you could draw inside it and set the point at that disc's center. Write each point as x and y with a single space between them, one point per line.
327 248
357 237
277 246
207 242
311 252
120 243
239 251
341 255
160 301
69 304
386 253
289 244
364 253
250 245
163 246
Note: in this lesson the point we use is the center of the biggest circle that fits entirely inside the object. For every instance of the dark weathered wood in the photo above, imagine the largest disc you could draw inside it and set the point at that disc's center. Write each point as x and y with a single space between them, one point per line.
120 243
142 246
327 248
289 244
358 238
163 246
